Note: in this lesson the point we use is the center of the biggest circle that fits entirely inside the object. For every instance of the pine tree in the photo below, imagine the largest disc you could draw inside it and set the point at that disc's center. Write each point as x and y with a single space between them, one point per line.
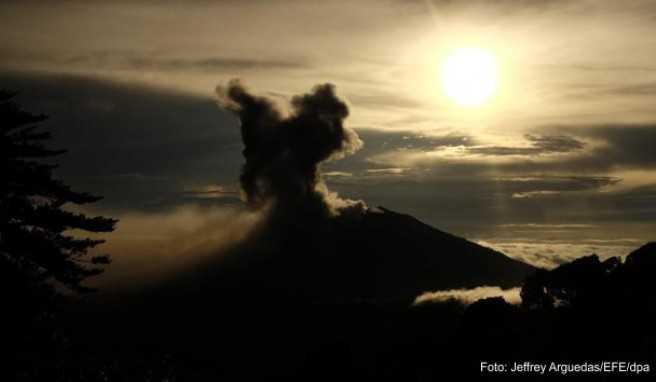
35 227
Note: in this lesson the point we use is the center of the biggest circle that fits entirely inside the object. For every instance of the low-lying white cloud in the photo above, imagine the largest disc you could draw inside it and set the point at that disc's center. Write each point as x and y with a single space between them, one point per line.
550 254
469 296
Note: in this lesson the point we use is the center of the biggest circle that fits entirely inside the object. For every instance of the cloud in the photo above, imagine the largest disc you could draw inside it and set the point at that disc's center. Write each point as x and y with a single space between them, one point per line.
337 173
553 185
284 153
386 171
587 183
212 192
380 142
609 147
501 6
214 64
155 61
532 194
538 145
469 296
140 147
549 254
626 145
537 152
548 226
378 99
595 67
593 91
557 150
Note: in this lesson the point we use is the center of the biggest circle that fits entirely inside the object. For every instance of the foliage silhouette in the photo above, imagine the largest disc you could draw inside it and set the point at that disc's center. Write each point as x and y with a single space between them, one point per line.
39 256
584 311
33 222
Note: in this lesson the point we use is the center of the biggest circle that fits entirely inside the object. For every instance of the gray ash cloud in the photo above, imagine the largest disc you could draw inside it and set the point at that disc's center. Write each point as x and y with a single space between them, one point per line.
284 153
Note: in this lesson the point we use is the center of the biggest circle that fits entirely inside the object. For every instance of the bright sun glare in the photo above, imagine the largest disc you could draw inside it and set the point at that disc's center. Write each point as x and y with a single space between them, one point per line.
469 76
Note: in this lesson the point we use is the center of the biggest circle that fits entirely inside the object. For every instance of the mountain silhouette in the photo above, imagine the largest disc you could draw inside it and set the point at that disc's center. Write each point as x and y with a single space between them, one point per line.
303 293
376 255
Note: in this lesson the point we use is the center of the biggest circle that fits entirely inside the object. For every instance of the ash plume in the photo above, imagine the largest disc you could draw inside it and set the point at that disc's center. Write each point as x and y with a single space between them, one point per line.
284 152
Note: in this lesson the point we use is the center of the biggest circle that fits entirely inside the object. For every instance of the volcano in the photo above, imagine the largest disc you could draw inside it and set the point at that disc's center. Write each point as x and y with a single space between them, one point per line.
377 255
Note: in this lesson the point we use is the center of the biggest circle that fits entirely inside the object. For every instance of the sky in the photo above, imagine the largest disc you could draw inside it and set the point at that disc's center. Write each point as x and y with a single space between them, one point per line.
556 164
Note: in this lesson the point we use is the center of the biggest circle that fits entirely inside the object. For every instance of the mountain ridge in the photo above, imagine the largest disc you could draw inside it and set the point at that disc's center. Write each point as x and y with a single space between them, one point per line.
378 255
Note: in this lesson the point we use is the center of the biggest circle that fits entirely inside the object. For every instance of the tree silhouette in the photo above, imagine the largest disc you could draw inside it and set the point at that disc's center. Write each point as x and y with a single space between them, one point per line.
583 281
35 228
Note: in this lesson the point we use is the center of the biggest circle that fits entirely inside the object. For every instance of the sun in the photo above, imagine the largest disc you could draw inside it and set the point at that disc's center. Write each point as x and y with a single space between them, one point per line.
469 76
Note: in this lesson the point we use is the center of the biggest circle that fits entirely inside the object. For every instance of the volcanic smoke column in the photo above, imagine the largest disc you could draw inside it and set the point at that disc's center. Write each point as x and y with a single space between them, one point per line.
284 152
